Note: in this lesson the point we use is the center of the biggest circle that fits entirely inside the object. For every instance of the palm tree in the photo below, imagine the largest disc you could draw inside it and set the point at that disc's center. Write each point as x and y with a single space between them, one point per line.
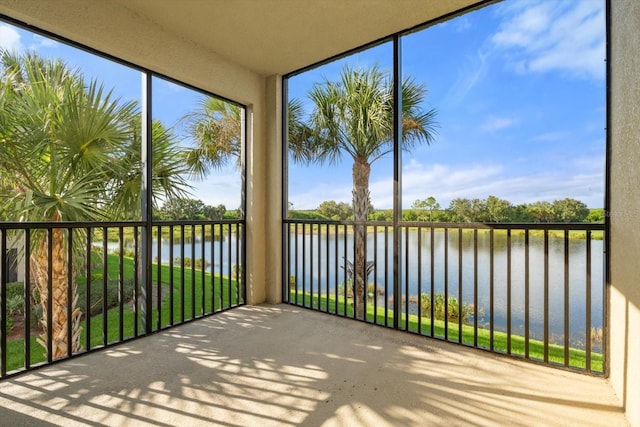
354 117
216 130
215 127
67 152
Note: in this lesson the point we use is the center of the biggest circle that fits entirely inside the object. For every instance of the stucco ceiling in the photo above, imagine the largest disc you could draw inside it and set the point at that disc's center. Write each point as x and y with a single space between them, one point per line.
280 36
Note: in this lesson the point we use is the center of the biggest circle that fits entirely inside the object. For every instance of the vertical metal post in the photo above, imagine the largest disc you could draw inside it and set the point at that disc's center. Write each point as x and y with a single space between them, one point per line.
87 325
527 298
607 197
3 303
146 203
27 299
397 178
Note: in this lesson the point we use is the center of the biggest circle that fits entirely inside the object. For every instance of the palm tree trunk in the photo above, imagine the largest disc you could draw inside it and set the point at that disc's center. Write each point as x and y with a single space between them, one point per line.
361 202
40 266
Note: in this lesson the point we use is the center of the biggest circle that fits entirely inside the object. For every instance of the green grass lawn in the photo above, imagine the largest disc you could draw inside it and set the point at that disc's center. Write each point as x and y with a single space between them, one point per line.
577 357
194 296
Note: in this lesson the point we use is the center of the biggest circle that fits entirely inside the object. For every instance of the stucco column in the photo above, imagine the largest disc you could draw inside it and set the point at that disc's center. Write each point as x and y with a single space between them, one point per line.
264 196
273 203
624 291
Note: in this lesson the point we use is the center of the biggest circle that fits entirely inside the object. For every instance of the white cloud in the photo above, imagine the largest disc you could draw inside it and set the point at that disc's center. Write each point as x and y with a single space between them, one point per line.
539 36
10 39
497 123
461 24
582 178
40 41
309 196
222 188
471 73
552 136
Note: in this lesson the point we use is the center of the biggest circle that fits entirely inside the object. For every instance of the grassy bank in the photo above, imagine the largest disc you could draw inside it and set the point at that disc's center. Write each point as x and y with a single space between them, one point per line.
577 357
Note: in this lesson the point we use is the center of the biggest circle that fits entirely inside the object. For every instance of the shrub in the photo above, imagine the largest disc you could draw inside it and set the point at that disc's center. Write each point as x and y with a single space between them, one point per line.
15 305
452 305
112 296
15 288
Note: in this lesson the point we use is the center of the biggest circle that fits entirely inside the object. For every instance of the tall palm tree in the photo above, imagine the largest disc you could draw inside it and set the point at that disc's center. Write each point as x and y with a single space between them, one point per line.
354 116
67 151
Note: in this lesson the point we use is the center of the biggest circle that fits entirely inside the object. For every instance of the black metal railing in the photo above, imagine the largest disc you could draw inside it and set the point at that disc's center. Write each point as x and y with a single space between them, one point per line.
534 291
196 269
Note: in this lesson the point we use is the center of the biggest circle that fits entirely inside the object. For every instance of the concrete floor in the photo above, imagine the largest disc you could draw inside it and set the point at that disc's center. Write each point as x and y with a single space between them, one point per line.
280 365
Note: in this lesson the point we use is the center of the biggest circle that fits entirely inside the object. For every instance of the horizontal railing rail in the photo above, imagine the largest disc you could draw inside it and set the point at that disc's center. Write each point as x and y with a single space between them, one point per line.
534 291
68 288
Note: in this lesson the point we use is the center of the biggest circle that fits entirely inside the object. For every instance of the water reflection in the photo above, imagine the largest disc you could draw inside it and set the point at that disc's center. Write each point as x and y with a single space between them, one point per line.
463 262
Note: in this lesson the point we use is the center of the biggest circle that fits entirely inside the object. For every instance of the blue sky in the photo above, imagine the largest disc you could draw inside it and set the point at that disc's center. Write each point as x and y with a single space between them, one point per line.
519 88
520 93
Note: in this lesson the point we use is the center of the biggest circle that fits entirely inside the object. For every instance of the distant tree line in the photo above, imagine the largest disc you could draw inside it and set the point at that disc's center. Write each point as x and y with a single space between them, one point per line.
491 209
192 209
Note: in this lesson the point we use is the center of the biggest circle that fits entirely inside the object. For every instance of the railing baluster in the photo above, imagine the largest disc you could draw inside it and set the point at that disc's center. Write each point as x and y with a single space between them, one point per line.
336 262
460 293
121 284
588 333
221 267
136 293
319 267
475 287
491 290
386 275
50 295
171 276
546 296
310 266
70 294
105 284
527 301
419 255
3 303
406 279
446 284
375 274
566 298
87 315
159 273
354 273
193 271
432 272
213 262
296 264
346 274
304 265
509 293
240 269
229 268
327 264
203 269
182 275
27 299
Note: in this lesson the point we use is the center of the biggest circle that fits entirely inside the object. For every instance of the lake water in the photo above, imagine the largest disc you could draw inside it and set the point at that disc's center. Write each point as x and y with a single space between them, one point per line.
320 263
320 256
